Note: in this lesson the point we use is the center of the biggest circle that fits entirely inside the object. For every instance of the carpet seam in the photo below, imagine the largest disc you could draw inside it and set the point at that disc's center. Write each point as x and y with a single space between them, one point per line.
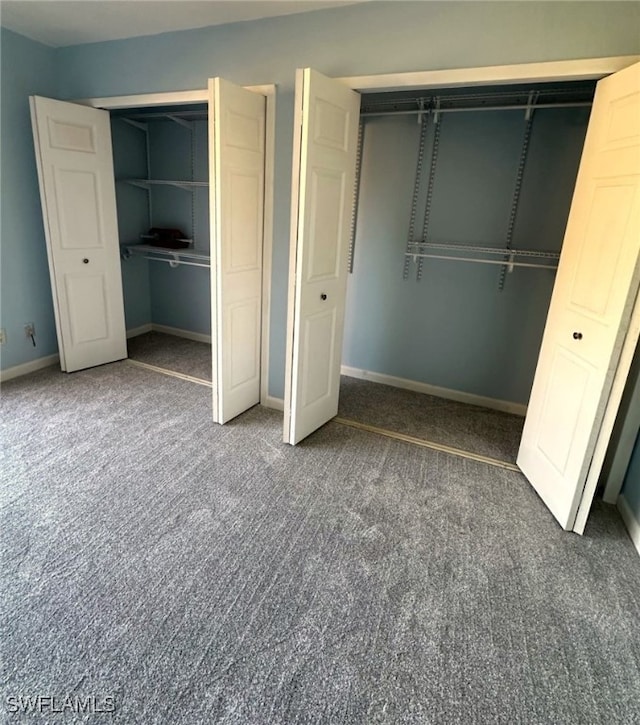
427 444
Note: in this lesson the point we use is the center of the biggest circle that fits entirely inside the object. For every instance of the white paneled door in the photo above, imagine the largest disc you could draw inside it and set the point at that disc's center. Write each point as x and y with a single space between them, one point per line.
593 296
327 116
75 171
236 168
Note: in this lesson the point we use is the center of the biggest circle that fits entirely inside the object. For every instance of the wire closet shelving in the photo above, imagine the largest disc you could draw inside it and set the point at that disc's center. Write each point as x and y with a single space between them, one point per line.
185 118
430 109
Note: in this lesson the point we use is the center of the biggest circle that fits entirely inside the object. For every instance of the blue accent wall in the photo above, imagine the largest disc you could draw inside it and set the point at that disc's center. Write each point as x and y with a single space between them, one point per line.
27 68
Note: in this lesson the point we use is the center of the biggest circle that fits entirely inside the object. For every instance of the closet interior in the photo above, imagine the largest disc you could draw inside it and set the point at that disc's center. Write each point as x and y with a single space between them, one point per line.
462 198
162 194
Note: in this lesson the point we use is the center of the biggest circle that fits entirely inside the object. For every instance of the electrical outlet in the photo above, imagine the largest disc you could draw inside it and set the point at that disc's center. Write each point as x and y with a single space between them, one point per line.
29 330
3 336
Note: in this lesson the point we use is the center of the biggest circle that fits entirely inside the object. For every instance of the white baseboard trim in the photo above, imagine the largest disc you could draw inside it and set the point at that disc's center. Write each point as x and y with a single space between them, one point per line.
45 362
18 370
505 406
135 331
187 334
272 402
176 331
630 521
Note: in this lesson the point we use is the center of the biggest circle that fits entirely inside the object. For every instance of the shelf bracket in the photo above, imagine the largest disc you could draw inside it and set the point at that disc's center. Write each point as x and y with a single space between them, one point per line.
144 127
178 185
436 112
180 121
140 183
530 106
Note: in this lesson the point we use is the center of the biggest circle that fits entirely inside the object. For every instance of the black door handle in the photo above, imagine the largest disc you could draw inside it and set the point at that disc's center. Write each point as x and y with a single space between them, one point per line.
85 261
577 336
323 296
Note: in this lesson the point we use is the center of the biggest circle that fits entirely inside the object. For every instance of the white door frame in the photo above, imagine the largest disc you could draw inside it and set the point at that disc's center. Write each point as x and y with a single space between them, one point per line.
173 98
608 421
562 70
545 72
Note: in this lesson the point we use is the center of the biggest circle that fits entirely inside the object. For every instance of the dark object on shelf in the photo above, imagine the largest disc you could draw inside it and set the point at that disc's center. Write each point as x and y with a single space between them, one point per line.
167 238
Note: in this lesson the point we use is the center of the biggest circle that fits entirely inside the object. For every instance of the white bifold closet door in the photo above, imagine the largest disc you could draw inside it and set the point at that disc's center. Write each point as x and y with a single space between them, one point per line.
326 135
236 169
77 191
594 293
75 167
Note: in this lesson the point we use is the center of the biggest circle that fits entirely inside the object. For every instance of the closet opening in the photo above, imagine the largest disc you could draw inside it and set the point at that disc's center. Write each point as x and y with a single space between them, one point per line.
593 316
462 199
161 165
164 204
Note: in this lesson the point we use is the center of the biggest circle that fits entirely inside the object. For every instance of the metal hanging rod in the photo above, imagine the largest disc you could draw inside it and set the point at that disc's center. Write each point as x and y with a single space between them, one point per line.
419 247
176 262
521 107
509 264
165 254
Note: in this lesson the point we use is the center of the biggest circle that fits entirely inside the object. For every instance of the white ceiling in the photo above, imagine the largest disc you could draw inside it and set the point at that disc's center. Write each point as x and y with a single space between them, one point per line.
69 22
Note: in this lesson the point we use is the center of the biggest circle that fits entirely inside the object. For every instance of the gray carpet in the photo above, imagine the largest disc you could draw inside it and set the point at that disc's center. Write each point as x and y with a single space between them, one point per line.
459 425
172 353
206 574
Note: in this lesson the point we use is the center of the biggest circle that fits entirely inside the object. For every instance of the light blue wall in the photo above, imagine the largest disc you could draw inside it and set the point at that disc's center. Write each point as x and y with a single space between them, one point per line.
369 38
130 162
631 488
455 328
631 399
155 292
27 68
181 297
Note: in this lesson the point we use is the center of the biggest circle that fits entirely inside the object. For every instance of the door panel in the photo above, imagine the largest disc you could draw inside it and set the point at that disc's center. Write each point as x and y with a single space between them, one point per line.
70 136
244 321
561 411
237 143
78 214
75 170
323 180
591 304
87 302
318 376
